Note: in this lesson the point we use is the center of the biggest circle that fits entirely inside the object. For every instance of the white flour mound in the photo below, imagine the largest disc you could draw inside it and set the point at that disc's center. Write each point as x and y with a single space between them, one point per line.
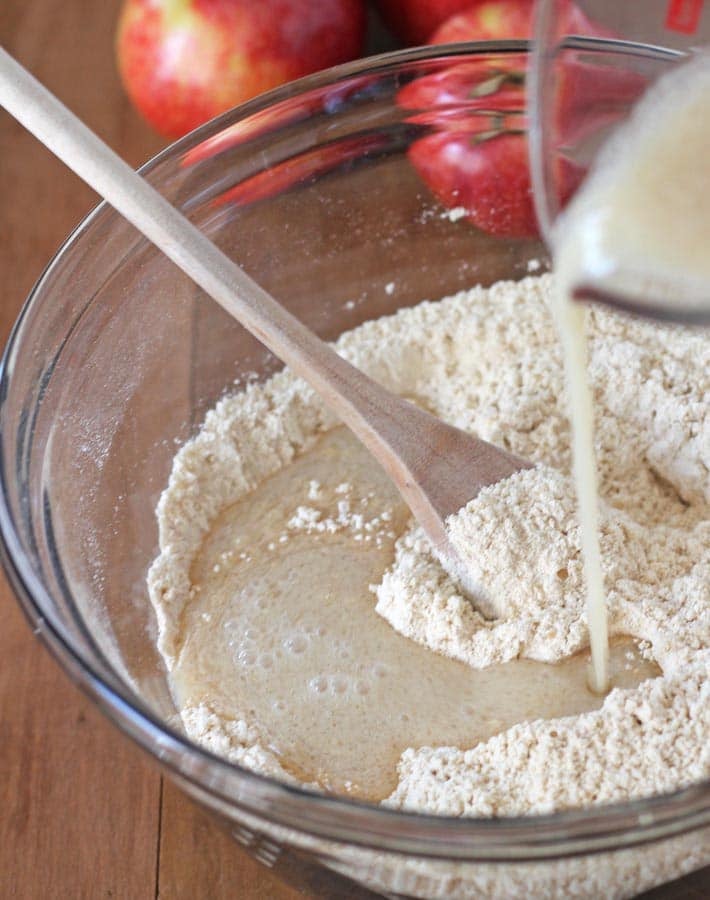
488 361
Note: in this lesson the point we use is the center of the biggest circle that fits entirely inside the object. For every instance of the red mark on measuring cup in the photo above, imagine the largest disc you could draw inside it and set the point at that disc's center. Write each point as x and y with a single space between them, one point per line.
684 15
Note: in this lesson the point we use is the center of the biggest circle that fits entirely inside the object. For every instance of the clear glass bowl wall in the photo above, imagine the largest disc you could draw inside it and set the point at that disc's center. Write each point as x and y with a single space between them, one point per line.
114 362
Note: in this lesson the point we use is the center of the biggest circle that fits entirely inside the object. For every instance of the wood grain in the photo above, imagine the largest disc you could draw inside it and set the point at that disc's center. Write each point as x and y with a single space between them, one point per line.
197 859
81 805
81 811
218 872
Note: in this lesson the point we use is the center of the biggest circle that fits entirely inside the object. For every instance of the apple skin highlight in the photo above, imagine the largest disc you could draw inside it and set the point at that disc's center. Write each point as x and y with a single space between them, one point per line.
182 62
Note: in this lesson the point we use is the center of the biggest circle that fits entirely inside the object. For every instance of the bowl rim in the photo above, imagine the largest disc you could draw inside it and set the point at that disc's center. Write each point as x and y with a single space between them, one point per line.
330 818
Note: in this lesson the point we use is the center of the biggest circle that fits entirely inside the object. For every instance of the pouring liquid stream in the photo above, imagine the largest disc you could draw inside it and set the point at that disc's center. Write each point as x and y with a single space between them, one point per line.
570 317
636 235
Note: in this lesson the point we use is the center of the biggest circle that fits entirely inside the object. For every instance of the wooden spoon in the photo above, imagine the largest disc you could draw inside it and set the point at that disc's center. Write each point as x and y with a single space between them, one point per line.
437 468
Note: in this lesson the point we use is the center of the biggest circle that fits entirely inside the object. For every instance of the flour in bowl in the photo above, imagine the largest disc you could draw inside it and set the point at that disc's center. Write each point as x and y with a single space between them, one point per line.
311 635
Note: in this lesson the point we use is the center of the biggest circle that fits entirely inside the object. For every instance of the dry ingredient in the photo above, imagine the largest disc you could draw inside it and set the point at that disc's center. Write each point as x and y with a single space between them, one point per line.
487 360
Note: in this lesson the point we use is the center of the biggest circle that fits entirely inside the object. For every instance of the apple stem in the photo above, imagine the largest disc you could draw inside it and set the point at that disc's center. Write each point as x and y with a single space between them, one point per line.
484 136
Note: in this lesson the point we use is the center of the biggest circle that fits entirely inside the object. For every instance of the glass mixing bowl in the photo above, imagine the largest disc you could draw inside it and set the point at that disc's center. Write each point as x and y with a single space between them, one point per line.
113 363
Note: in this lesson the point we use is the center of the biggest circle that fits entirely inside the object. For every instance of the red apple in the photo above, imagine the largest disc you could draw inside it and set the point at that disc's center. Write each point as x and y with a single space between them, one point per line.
489 20
493 20
479 84
489 178
473 97
481 94
477 159
184 61
588 96
414 20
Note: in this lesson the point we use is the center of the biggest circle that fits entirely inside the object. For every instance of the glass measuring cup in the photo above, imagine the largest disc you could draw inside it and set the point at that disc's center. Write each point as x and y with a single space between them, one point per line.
581 90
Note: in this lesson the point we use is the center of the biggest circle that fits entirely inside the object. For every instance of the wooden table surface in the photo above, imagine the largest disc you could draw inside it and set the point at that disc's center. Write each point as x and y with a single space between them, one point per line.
85 814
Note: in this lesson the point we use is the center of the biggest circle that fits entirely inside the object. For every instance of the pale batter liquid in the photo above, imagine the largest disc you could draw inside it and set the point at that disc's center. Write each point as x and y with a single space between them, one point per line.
282 631
640 228
570 319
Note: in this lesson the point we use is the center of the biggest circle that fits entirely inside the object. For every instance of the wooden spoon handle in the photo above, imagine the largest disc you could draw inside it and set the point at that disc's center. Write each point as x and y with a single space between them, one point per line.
345 389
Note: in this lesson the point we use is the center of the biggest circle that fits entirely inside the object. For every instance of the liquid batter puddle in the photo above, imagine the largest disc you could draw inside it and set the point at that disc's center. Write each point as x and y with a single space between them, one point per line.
282 632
